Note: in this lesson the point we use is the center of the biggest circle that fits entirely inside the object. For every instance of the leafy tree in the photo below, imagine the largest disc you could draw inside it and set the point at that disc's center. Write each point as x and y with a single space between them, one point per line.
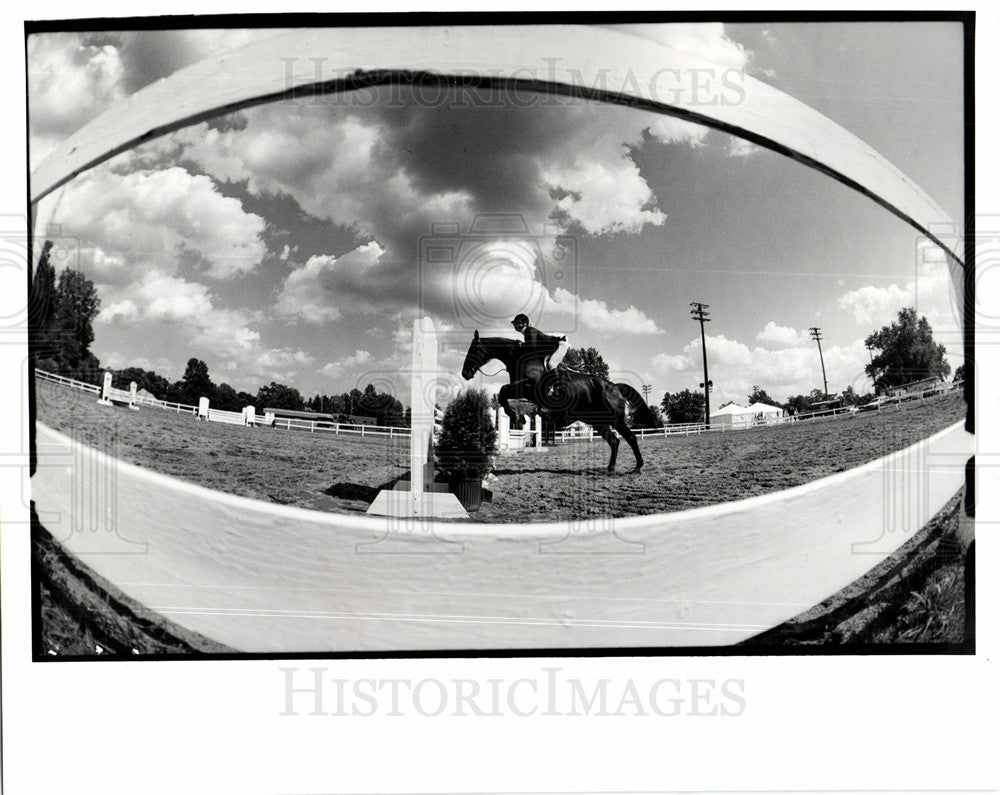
800 404
657 418
76 307
41 306
196 383
586 360
959 373
852 398
225 398
683 407
385 408
907 352
279 396
61 314
155 384
758 395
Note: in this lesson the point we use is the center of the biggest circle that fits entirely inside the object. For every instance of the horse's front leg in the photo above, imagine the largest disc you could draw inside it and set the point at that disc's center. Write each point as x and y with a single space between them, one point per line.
507 392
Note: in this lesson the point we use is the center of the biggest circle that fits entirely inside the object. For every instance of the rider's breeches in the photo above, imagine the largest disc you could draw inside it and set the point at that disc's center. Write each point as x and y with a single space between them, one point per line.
556 356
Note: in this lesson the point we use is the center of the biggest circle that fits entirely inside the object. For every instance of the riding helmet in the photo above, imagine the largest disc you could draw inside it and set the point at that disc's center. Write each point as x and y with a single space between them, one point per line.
520 320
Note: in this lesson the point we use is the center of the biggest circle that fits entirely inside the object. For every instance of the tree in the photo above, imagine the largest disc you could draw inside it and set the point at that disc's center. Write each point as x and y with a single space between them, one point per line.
62 321
385 408
155 384
852 398
41 306
684 407
959 373
586 360
227 399
279 396
907 352
657 417
196 383
800 404
758 395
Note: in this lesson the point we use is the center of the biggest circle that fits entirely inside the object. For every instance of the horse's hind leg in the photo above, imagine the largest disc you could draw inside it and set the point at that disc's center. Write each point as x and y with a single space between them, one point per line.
629 437
613 441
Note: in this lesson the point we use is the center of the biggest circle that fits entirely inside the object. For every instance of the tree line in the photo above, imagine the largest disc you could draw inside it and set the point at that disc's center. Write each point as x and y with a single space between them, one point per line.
197 383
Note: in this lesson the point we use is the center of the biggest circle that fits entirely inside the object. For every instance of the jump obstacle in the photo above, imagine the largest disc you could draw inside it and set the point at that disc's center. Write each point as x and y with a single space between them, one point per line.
110 395
421 498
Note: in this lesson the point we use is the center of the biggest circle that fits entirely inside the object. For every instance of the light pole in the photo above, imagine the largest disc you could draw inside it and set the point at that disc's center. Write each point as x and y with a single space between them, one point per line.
646 388
871 361
698 313
817 335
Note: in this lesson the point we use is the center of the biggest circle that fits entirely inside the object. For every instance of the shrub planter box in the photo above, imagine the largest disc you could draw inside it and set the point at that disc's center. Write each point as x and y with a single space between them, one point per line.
469 492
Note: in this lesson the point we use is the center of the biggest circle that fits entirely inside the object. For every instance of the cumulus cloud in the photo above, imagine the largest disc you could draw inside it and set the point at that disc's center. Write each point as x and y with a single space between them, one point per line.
74 77
741 147
150 219
494 282
178 314
735 368
341 366
776 336
870 304
69 83
931 291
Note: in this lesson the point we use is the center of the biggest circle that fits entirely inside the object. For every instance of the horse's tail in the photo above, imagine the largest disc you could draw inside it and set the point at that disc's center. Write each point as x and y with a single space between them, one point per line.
641 413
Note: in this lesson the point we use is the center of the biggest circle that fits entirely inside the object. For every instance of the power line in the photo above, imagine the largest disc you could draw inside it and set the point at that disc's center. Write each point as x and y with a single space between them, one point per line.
817 335
646 389
699 313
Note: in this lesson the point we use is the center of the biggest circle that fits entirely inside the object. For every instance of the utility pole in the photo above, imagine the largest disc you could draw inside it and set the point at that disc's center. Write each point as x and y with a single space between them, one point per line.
871 360
699 313
817 335
646 388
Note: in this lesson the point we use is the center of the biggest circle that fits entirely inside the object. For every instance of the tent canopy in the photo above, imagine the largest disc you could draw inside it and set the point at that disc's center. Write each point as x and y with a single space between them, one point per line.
764 408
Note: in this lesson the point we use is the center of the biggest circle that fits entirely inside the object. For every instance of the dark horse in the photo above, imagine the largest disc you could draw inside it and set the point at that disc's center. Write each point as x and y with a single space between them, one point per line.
577 396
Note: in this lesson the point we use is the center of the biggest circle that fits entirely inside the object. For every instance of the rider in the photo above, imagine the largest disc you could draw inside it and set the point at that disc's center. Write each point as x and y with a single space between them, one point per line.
552 349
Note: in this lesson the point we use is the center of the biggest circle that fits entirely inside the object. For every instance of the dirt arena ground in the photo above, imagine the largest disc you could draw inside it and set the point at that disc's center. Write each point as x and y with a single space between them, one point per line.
343 474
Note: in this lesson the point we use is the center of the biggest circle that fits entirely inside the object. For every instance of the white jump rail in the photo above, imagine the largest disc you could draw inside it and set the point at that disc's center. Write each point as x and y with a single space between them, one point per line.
267 578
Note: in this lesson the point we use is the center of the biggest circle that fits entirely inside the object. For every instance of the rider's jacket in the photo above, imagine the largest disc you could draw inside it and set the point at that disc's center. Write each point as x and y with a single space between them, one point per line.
538 342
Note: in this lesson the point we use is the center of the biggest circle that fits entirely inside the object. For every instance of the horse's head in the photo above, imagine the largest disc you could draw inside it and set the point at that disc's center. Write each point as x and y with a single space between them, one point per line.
475 358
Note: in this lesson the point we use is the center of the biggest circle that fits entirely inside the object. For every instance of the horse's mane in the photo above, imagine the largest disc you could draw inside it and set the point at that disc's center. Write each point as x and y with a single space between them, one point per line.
511 343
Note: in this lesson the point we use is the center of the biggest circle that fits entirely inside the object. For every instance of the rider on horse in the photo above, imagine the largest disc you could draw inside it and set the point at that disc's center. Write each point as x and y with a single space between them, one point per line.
550 349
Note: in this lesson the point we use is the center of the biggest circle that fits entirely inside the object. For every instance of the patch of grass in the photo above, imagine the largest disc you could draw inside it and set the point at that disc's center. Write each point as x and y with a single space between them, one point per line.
934 614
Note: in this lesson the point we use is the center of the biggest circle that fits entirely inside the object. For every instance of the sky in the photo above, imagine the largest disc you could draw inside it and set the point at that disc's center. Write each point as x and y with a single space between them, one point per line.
296 242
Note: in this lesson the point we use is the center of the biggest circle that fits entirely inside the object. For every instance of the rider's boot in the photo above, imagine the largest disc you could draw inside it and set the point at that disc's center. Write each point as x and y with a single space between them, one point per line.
554 383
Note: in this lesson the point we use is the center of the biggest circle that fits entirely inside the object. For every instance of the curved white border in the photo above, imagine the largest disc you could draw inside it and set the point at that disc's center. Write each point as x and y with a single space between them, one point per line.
269 578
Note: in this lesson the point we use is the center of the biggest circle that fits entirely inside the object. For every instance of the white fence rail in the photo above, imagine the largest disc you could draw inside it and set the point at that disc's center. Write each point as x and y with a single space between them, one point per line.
340 428
59 379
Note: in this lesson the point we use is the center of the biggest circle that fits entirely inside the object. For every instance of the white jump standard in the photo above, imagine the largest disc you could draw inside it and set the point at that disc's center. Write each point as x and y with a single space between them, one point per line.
419 499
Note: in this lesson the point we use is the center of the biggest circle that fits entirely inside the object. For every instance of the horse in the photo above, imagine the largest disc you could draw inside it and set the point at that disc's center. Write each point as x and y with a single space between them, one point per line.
577 396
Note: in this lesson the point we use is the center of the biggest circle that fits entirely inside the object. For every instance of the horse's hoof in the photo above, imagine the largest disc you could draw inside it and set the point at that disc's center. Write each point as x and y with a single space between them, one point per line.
611 469
637 470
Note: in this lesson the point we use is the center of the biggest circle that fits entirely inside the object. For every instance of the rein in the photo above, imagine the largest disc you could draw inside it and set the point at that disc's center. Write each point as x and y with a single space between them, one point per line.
490 375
